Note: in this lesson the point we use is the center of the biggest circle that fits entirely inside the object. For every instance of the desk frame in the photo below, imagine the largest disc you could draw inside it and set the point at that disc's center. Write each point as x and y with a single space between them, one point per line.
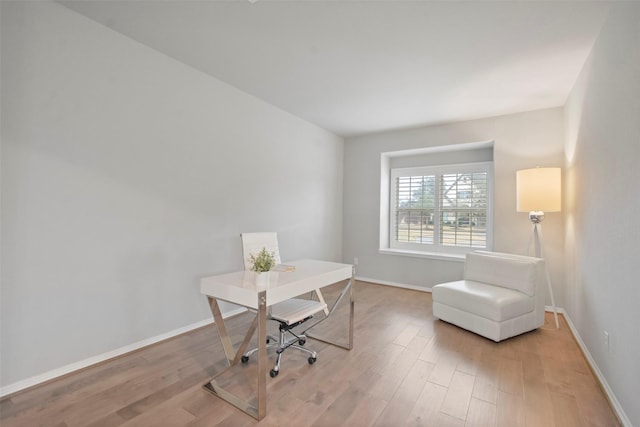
260 323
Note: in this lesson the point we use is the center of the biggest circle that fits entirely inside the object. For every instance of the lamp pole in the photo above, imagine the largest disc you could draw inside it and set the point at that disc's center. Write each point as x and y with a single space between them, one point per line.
536 218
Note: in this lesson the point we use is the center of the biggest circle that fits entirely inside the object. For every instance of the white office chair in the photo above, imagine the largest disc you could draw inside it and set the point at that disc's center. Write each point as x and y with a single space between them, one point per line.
289 314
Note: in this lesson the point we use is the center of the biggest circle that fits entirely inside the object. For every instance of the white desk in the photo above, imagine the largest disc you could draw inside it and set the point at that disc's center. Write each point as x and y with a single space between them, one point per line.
240 288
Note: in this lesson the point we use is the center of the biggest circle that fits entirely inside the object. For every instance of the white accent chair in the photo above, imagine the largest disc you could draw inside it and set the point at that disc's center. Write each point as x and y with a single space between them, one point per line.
501 295
290 313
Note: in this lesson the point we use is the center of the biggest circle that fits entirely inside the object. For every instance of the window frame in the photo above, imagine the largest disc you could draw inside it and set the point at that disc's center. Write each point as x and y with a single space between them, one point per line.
435 248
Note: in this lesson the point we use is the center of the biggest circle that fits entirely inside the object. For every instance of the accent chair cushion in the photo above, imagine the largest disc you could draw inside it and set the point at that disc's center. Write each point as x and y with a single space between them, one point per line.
491 302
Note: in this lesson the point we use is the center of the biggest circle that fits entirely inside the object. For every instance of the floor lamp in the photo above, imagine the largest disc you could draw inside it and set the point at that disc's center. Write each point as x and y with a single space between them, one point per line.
538 191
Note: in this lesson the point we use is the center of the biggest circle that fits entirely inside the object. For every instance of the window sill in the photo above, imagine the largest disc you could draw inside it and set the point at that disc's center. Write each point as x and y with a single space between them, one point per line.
419 254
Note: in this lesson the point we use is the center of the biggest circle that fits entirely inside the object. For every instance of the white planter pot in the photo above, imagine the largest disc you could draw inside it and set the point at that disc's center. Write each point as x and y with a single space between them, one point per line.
262 279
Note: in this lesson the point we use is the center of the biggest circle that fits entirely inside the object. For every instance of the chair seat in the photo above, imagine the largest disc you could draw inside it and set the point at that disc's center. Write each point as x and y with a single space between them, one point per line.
491 302
295 309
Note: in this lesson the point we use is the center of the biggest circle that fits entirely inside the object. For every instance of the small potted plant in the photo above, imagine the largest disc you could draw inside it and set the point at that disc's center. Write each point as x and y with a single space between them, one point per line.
261 264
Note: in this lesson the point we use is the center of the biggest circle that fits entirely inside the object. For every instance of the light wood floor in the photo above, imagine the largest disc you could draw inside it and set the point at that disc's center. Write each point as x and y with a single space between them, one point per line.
407 369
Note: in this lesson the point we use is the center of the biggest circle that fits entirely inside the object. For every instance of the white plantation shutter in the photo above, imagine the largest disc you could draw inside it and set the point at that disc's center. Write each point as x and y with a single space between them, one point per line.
441 208
415 208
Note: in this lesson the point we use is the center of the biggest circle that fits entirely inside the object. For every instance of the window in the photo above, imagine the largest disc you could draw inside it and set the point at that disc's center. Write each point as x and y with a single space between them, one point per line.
445 208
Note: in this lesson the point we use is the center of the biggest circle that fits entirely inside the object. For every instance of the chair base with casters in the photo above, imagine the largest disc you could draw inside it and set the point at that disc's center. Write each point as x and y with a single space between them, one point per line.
290 314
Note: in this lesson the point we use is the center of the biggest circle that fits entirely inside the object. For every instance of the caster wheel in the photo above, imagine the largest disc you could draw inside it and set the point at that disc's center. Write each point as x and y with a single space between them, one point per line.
302 341
244 359
312 360
273 373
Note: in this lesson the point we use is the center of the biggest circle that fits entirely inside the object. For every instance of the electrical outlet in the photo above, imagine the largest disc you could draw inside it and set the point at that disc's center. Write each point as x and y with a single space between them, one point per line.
355 261
606 341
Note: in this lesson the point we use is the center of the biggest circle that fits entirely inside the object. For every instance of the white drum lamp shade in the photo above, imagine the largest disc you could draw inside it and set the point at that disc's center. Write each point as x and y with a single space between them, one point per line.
539 189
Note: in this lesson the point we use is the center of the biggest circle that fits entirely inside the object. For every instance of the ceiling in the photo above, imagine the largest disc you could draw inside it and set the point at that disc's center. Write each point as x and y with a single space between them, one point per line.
355 67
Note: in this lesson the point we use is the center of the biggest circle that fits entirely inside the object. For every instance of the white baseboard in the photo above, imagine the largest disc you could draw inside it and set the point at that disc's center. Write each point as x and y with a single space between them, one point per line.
594 367
395 284
549 308
58 372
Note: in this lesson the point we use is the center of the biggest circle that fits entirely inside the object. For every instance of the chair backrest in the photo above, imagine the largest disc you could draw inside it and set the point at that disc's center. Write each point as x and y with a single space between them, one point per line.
252 243
521 273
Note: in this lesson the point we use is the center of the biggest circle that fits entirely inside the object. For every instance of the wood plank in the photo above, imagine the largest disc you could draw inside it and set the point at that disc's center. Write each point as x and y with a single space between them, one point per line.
443 370
405 337
414 381
427 408
538 409
511 377
565 410
483 414
456 401
485 386
510 410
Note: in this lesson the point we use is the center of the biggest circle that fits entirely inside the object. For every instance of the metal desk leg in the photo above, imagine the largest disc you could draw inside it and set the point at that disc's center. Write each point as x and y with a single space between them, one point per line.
233 357
348 289
262 355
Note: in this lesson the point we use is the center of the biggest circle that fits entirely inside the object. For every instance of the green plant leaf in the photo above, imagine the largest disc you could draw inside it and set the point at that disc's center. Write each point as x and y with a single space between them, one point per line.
263 261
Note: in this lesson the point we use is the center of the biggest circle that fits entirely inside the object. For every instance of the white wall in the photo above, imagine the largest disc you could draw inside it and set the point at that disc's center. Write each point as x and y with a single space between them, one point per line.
126 176
521 141
603 205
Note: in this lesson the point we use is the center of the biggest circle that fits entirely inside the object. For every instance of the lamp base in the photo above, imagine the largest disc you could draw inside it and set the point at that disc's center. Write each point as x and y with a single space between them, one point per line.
536 217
